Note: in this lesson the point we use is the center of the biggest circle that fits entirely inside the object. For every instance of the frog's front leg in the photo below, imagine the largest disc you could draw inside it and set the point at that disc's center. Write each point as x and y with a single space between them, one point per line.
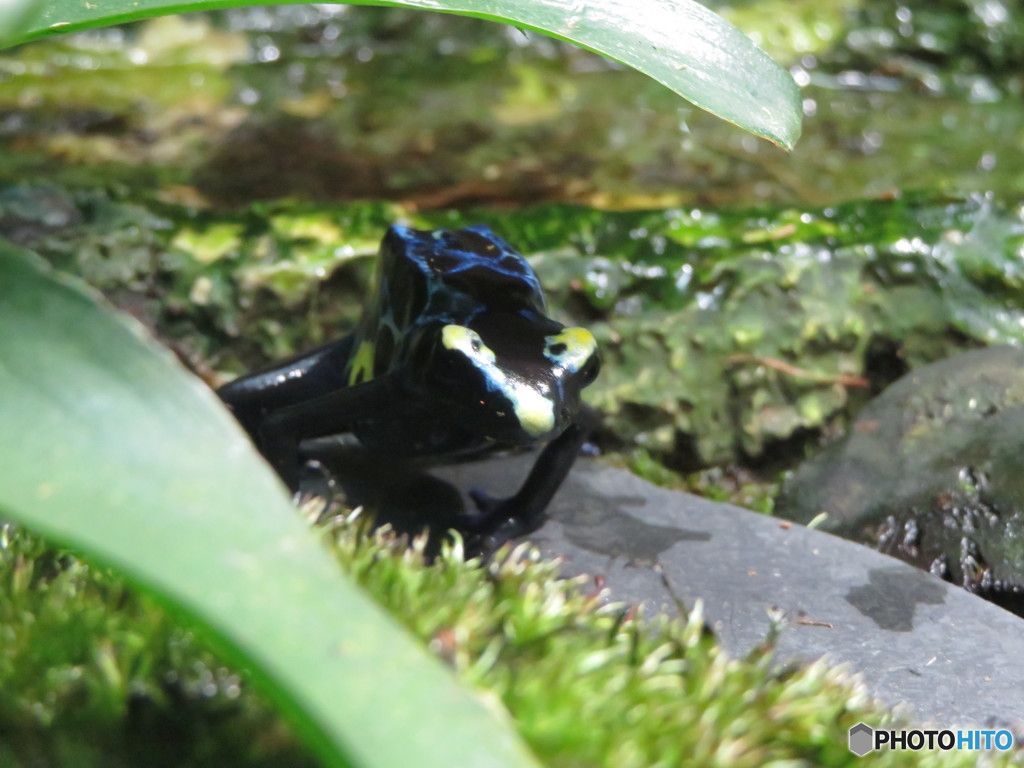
498 520
336 412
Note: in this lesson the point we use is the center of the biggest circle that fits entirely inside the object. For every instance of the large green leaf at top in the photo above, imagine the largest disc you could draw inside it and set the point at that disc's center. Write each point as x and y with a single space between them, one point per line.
16 16
679 43
108 446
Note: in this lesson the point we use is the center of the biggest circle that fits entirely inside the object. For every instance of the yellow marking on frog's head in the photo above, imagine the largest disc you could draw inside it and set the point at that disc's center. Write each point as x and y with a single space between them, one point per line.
361 367
467 341
570 349
534 411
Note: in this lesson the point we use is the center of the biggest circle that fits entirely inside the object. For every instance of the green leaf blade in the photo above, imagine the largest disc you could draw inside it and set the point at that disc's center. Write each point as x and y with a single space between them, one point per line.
679 43
15 17
682 45
113 449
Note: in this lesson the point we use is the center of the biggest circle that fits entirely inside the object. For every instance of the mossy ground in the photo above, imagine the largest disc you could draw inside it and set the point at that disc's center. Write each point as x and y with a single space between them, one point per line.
93 675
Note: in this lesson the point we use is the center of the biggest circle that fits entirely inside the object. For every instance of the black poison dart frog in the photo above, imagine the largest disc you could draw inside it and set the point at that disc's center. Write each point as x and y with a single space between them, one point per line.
453 355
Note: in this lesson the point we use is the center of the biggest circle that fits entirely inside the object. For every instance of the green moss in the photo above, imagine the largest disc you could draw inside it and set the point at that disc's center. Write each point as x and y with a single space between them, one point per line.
726 333
91 675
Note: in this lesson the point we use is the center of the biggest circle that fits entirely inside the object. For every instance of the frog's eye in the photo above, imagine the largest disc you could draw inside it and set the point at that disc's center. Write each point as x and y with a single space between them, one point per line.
467 341
571 349
590 371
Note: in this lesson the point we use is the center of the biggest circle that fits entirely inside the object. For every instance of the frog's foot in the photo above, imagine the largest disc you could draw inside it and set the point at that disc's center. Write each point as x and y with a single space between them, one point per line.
315 480
495 522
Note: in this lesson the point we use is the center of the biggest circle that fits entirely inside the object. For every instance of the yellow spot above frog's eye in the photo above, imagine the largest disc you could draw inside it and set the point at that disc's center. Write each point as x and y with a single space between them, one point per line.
570 349
467 341
362 363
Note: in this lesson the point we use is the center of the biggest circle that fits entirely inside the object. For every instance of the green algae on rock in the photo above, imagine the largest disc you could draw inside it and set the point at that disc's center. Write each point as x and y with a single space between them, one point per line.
727 332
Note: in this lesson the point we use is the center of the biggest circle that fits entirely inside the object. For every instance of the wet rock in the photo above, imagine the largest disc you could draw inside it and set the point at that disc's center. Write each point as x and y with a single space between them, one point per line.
915 640
931 473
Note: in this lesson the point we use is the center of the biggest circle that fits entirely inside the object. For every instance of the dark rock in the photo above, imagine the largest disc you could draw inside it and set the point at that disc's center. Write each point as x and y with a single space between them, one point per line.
915 639
930 473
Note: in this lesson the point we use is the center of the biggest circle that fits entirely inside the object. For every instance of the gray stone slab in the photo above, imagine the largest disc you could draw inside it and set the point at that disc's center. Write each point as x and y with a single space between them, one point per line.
952 657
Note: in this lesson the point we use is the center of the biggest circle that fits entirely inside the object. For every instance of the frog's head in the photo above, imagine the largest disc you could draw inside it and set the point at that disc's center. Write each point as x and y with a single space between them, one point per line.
513 377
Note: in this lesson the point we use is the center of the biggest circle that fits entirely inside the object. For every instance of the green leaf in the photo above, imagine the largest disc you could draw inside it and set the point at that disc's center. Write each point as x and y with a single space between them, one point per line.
15 17
681 44
111 448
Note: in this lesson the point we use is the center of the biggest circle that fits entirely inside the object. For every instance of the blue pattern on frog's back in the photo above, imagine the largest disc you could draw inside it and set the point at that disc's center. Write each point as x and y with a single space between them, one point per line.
447 276
445 253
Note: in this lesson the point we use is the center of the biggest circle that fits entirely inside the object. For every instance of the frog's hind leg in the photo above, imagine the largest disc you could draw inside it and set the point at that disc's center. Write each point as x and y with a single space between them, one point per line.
253 397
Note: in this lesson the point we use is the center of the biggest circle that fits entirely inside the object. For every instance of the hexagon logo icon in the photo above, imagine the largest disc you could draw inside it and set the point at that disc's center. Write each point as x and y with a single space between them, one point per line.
861 739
